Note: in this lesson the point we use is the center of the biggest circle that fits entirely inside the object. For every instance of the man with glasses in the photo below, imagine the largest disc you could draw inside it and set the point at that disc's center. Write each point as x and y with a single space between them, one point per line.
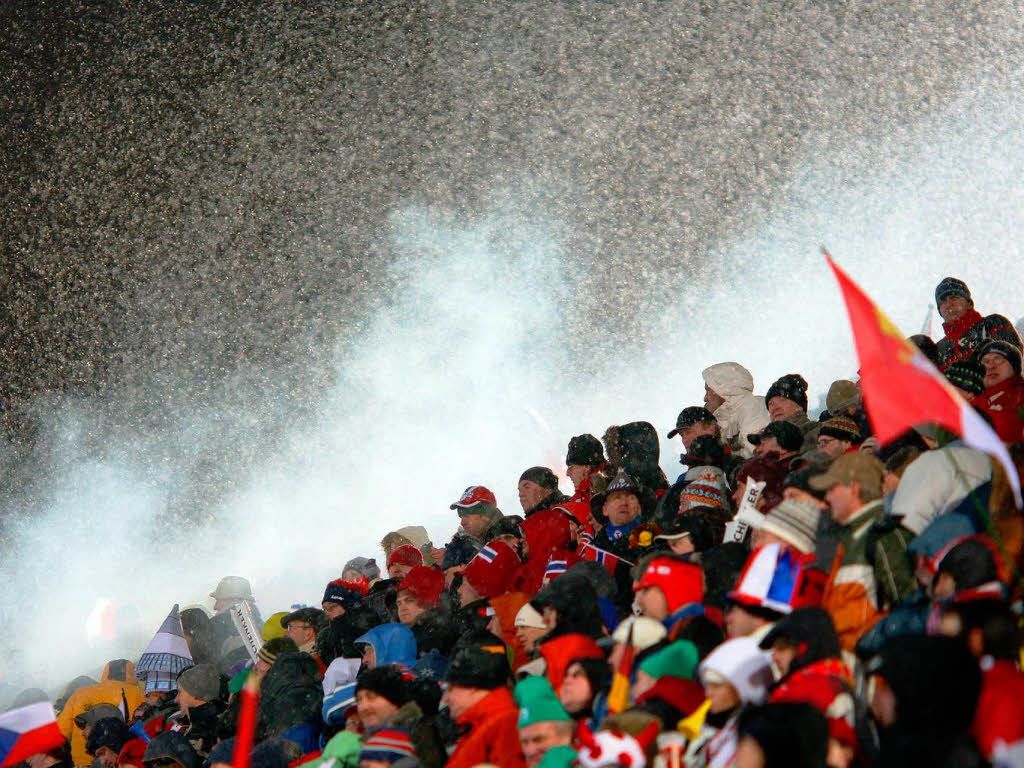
839 435
302 626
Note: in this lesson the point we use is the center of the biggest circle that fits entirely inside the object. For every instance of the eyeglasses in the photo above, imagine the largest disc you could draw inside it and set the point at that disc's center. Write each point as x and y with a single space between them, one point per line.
297 625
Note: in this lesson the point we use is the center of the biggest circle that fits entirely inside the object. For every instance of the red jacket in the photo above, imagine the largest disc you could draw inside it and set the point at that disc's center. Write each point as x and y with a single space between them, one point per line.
1000 716
493 735
1003 404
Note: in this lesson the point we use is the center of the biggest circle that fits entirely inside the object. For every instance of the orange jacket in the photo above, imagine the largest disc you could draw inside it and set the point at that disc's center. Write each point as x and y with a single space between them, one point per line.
851 593
493 735
118 679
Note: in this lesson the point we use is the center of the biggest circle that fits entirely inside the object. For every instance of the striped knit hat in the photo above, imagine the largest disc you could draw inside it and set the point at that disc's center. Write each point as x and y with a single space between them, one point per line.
705 490
388 745
967 375
795 522
842 428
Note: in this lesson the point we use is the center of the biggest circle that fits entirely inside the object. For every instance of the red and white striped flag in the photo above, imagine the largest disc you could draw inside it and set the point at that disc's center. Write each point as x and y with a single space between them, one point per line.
28 731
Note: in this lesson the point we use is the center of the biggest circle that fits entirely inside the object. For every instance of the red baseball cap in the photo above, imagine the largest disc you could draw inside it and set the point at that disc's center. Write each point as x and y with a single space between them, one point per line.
475 494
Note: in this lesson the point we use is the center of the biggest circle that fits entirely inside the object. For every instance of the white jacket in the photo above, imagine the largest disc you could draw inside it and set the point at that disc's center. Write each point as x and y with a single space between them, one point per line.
742 413
937 481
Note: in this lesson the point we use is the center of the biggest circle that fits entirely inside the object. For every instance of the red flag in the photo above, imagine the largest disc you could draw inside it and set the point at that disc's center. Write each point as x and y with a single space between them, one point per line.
245 736
903 389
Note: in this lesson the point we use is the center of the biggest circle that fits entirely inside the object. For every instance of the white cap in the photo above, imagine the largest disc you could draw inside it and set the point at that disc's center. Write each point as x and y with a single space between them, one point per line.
646 631
744 665
529 617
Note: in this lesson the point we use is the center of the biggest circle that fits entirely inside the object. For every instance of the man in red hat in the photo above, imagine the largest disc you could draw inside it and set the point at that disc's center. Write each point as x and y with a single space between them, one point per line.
419 591
671 589
402 560
478 511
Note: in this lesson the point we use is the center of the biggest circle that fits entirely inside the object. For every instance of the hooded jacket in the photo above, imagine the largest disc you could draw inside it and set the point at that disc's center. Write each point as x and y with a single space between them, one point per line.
392 644
545 532
117 684
291 694
743 413
491 733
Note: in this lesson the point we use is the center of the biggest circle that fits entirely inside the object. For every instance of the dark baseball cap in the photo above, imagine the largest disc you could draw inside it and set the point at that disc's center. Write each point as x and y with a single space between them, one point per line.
788 436
687 417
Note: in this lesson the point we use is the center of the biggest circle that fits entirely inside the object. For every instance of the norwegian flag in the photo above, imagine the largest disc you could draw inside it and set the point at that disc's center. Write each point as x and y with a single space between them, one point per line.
586 538
487 555
555 568
605 558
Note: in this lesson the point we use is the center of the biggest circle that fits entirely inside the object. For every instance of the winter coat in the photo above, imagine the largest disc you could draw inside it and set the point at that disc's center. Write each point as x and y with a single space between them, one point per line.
969 334
291 695
505 608
201 726
422 729
117 683
380 600
808 428
492 733
1004 403
742 413
851 593
392 644
545 532
910 617
937 481
575 600
1000 716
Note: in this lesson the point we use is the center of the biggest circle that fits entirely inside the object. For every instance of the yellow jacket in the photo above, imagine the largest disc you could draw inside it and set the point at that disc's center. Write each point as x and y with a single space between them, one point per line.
118 681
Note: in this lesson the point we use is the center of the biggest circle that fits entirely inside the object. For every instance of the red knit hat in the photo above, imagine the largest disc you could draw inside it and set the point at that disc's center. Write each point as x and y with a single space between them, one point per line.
425 584
681 582
492 569
406 554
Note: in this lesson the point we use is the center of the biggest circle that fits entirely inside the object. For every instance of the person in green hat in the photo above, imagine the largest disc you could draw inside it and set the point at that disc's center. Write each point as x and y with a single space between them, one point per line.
543 723
678 659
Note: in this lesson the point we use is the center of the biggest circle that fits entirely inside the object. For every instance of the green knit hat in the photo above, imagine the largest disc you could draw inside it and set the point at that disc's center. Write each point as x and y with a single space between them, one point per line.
558 757
537 702
676 660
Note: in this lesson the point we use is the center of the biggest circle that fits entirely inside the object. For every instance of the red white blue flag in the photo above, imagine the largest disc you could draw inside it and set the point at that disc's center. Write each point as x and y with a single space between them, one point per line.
28 731
598 555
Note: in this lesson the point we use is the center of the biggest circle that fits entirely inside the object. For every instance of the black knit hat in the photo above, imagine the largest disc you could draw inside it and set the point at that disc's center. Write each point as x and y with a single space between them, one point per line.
687 417
706 449
110 732
585 450
792 386
1004 348
479 666
967 375
787 435
950 286
460 551
542 476
387 681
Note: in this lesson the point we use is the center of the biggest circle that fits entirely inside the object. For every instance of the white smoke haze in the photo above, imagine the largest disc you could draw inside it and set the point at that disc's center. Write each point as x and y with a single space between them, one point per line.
462 377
